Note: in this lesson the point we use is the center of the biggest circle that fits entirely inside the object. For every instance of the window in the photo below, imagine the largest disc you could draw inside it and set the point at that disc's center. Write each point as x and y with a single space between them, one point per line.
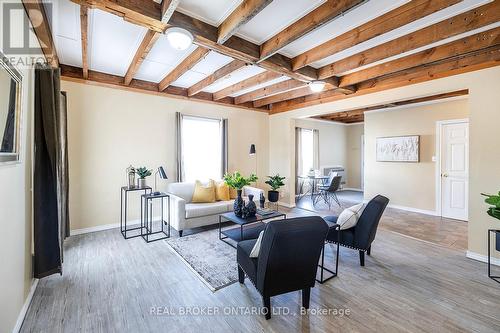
202 151
307 150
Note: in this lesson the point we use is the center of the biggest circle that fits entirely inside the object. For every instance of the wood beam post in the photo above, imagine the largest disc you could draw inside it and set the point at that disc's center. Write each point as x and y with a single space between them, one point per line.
35 11
84 31
189 62
216 76
396 18
314 20
241 15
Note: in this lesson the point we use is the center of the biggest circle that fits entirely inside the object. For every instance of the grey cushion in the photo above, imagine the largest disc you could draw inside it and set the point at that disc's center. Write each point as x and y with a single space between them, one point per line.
206 209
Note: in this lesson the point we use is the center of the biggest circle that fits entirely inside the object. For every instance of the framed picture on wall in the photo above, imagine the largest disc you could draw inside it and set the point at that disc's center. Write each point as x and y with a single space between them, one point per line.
398 149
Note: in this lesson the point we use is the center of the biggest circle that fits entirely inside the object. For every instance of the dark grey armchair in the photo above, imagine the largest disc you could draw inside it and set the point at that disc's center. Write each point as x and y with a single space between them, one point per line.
362 235
288 258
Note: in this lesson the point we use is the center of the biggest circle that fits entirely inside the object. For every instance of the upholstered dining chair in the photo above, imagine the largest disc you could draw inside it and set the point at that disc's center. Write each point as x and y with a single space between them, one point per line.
283 265
361 236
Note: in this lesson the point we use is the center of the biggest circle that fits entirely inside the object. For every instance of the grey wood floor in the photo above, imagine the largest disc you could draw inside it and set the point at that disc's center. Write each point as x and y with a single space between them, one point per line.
110 284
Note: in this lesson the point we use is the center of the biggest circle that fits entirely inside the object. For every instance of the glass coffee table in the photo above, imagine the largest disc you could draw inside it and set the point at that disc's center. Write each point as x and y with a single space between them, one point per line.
249 228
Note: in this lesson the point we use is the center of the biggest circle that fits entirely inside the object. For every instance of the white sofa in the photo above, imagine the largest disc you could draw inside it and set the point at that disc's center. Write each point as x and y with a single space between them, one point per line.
186 215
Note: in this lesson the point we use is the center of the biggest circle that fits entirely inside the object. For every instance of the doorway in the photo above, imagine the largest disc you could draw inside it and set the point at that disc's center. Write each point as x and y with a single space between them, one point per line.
452 169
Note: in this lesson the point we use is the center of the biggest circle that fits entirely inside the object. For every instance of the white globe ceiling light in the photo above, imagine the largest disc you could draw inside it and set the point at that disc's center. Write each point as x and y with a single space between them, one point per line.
180 39
316 86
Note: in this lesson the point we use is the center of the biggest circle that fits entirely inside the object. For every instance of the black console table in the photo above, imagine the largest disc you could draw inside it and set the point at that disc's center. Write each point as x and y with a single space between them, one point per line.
496 233
123 210
147 224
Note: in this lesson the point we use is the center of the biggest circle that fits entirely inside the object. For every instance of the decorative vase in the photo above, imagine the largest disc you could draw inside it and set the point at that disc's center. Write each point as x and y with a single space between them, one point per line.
497 242
238 204
262 200
131 176
273 196
141 182
250 209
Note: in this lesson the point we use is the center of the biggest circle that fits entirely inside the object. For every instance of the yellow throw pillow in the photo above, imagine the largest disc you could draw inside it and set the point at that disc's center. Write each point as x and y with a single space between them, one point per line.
203 194
222 191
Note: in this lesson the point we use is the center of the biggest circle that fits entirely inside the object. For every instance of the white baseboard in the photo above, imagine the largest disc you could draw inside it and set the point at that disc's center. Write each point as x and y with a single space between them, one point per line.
94 229
482 258
410 209
106 227
287 205
25 307
352 189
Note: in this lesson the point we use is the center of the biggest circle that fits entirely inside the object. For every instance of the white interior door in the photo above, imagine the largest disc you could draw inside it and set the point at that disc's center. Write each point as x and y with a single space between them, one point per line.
455 170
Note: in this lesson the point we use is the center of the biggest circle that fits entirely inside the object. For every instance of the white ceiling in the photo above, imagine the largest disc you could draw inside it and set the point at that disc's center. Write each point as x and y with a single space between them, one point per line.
113 41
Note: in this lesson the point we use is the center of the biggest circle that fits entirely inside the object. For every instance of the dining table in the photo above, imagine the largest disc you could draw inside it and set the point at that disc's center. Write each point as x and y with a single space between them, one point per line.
312 181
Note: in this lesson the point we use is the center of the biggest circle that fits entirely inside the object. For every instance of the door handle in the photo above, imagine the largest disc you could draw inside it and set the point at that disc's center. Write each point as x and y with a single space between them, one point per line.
444 175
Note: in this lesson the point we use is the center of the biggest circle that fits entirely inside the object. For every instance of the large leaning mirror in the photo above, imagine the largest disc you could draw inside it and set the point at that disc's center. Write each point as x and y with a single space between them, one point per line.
10 111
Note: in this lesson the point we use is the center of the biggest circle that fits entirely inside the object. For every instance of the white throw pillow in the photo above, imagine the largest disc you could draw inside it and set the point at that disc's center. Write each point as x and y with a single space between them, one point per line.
350 216
256 247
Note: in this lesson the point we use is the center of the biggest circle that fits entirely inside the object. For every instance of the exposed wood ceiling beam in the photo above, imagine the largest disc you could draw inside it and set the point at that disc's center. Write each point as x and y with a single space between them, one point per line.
304 91
146 45
74 74
485 58
145 13
167 9
315 19
241 15
470 20
245 84
189 62
279 87
216 76
84 28
396 18
462 46
358 114
148 14
35 10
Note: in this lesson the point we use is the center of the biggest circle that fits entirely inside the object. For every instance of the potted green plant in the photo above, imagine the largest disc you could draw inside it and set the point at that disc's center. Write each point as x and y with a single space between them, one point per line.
237 182
142 172
275 182
494 211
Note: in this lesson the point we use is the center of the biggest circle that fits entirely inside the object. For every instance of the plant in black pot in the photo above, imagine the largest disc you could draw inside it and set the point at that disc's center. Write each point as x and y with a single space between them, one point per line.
237 182
275 182
494 211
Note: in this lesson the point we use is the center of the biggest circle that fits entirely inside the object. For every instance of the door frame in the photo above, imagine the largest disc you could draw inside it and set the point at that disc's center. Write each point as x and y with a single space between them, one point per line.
439 132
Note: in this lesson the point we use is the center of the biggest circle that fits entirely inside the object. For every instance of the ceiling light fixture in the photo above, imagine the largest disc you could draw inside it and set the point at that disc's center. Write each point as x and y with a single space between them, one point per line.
316 86
180 39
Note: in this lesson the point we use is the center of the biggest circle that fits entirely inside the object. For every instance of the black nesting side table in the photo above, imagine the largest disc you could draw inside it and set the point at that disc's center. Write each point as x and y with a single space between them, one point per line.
147 219
496 233
123 210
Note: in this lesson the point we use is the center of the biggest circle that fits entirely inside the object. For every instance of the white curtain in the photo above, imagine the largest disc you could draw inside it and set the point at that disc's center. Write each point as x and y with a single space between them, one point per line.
298 158
316 149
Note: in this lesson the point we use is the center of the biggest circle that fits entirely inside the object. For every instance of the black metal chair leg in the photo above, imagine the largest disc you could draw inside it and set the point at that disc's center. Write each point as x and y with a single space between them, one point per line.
306 296
362 258
241 275
368 252
267 306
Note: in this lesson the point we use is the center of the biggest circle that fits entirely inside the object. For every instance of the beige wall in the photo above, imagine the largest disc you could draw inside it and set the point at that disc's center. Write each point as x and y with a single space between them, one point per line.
407 184
332 141
15 214
109 129
483 103
353 153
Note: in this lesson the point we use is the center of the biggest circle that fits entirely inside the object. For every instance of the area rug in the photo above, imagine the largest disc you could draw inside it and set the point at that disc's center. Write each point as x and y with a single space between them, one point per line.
213 261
